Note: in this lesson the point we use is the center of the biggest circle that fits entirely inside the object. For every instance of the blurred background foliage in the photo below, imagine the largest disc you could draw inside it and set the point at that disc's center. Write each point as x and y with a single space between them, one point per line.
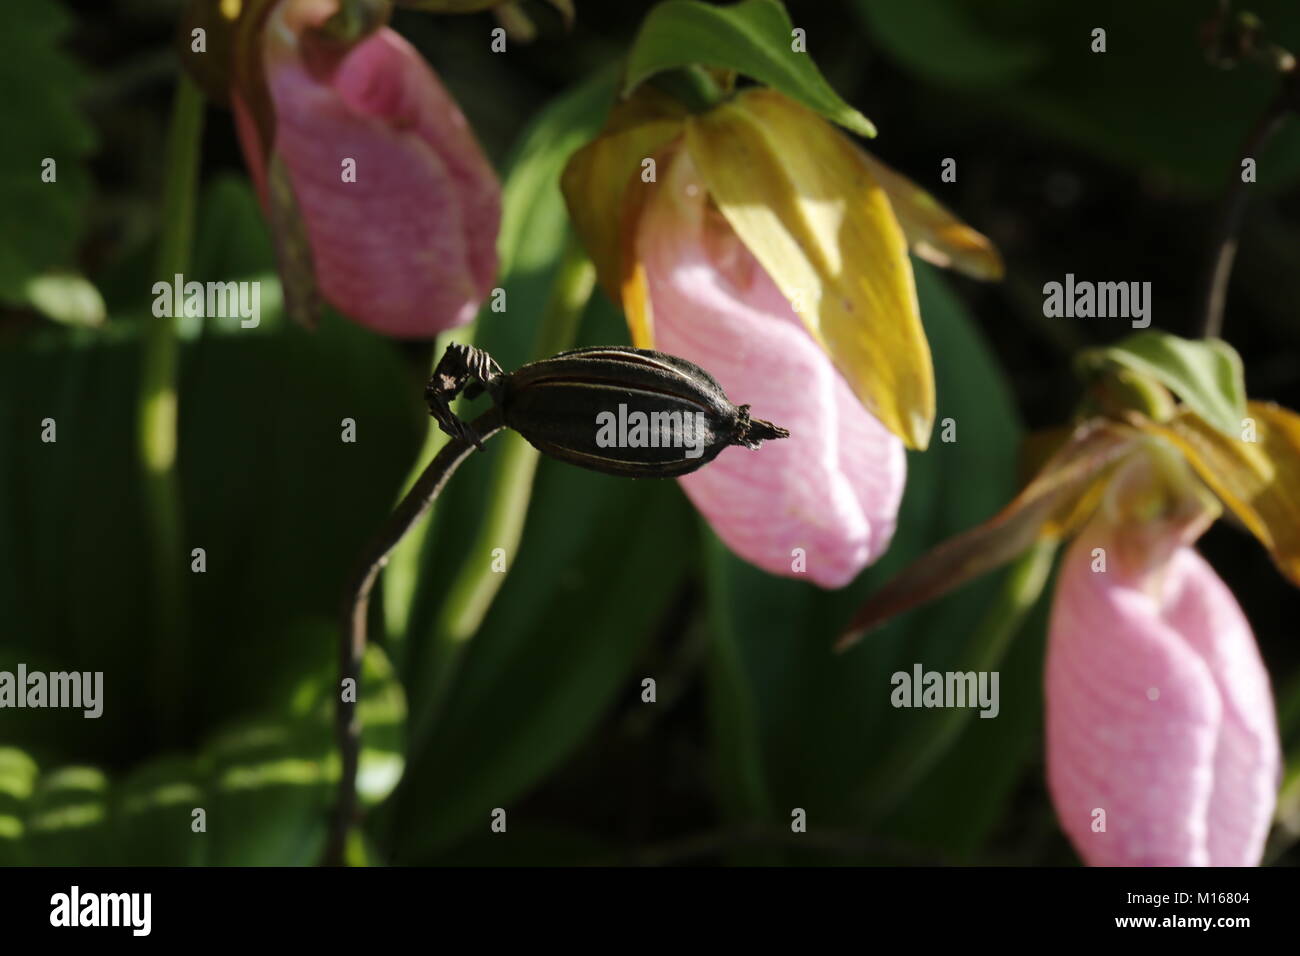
1106 166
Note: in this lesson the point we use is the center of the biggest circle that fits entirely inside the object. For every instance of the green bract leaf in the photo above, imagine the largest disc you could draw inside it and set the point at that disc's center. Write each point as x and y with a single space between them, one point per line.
1205 374
754 37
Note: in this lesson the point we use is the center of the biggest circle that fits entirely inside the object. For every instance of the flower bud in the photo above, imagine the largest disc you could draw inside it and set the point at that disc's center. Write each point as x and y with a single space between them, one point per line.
397 206
623 411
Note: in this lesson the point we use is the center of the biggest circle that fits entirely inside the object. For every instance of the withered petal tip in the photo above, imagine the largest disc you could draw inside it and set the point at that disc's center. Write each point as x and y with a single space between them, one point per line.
752 432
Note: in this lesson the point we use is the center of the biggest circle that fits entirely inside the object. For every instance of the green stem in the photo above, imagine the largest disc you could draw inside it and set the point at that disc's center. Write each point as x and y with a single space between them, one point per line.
477 583
1021 588
693 86
158 408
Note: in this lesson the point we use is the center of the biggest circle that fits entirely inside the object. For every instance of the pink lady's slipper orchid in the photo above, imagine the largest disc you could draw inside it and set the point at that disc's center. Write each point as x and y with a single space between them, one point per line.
757 241
1162 746
834 487
1162 743
400 206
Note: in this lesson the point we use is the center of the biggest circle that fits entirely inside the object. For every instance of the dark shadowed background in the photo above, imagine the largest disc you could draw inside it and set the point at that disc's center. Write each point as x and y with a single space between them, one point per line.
1108 166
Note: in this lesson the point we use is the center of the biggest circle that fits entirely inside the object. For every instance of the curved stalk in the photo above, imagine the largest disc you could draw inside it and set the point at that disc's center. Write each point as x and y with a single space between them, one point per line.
356 607
476 585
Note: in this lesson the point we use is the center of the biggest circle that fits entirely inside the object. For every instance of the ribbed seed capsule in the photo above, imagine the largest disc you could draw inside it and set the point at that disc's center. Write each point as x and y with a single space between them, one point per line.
622 411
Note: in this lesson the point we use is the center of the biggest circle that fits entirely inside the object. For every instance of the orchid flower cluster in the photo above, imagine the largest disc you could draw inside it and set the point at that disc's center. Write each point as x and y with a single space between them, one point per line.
742 228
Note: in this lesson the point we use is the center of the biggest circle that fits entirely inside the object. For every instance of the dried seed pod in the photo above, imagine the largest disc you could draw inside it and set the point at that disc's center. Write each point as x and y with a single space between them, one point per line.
622 411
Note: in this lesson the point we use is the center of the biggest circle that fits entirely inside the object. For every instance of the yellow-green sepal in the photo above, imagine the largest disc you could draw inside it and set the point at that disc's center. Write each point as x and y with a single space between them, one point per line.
596 180
822 227
933 232
1255 472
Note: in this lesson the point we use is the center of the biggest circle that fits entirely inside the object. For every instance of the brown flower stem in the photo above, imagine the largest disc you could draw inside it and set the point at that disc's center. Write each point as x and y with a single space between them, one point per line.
1232 211
1230 40
356 606
475 584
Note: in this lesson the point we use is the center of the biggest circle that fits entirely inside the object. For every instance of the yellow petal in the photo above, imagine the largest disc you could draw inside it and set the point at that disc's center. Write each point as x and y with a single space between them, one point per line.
1258 480
934 233
636 305
800 197
1067 481
597 176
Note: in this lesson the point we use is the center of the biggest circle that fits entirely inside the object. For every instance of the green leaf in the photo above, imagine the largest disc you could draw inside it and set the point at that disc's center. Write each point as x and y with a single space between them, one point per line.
68 819
232 240
66 297
381 709
274 781
155 807
1206 374
270 794
996 753
18 773
281 527
935 732
279 503
741 781
754 37
265 786
43 122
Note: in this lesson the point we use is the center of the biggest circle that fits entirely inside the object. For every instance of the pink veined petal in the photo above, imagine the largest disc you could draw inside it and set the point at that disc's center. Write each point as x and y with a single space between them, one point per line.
386 77
1138 724
833 487
409 248
1132 723
1247 760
